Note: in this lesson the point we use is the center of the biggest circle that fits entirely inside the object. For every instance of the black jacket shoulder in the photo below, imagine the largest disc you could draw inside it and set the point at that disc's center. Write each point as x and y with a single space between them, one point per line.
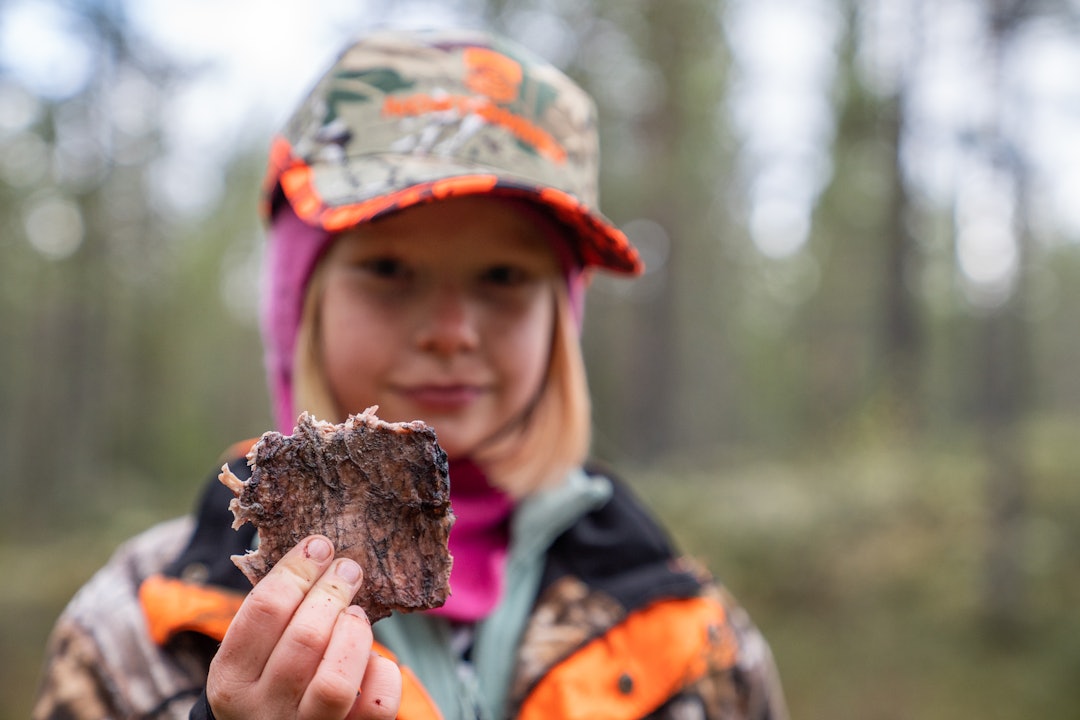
622 550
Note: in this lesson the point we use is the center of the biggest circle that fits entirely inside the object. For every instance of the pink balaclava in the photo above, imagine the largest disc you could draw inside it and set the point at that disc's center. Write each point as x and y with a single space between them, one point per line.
293 250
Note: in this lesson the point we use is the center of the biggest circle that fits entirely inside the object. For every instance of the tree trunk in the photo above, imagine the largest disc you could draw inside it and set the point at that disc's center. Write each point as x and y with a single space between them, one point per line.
901 342
1002 364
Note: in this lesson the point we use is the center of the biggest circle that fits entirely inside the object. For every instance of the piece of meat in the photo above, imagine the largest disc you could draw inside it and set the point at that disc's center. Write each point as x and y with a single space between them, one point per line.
380 491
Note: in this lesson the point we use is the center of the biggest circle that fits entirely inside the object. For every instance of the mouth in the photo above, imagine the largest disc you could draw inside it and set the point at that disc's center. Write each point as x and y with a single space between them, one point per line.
442 397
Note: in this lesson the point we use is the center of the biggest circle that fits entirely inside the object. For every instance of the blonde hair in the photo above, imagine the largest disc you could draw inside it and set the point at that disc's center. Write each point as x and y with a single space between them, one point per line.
551 438
311 392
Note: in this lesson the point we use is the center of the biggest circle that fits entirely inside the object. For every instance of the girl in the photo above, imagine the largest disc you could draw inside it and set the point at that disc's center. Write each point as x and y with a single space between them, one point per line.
432 222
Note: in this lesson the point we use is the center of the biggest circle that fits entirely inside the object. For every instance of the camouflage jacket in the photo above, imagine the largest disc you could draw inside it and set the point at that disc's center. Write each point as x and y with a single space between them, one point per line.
655 636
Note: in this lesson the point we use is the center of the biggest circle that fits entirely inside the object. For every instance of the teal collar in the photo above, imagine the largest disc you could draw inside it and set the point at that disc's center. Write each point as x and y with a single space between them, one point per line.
423 642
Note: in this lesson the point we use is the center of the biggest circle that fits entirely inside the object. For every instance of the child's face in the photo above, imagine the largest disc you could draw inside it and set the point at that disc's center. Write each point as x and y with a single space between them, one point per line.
443 313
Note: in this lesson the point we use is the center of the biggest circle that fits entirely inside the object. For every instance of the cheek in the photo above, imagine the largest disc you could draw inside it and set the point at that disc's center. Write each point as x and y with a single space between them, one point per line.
529 351
350 345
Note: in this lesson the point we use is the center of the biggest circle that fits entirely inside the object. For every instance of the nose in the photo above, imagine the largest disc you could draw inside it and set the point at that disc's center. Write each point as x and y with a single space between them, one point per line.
449 323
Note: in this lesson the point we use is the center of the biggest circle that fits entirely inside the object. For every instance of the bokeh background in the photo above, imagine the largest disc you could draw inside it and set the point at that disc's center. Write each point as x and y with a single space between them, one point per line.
848 379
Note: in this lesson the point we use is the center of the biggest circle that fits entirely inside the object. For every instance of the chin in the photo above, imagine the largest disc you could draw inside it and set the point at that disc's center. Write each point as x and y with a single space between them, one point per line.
456 444
454 450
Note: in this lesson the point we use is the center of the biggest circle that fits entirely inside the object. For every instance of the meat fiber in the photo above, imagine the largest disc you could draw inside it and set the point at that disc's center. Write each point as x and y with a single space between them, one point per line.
380 491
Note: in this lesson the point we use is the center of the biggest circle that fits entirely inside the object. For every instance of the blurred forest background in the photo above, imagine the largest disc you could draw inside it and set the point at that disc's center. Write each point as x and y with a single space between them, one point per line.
848 379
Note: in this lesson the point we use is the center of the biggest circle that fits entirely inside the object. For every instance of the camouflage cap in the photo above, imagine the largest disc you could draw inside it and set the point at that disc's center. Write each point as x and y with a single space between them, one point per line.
407 117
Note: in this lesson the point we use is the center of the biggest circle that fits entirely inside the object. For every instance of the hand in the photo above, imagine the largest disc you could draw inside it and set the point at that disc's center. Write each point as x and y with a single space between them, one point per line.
298 649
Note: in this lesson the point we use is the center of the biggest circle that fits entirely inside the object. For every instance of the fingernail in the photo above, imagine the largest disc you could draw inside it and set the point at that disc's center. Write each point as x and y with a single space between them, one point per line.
347 570
357 611
318 549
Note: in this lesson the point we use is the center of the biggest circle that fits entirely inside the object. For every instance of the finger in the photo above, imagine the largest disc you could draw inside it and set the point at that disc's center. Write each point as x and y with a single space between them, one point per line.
269 607
336 683
380 691
300 650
